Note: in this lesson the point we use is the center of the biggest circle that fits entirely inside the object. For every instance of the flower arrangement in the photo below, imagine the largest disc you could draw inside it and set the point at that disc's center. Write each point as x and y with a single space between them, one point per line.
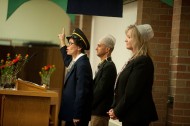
46 73
11 67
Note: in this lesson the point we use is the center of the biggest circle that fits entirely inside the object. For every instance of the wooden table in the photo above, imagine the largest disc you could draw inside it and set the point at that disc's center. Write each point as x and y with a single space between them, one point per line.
31 107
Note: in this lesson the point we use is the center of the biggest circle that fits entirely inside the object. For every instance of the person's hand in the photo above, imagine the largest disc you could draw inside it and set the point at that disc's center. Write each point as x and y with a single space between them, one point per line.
75 121
111 114
62 38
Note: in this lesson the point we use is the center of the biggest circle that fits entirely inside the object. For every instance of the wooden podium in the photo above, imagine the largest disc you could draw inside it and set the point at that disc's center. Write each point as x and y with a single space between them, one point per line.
29 105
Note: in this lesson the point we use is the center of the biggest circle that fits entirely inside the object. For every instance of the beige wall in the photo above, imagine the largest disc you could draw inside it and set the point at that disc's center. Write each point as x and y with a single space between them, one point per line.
116 26
37 20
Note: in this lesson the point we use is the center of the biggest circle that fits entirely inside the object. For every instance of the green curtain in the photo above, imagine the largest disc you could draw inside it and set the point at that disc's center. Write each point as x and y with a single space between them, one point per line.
168 2
14 4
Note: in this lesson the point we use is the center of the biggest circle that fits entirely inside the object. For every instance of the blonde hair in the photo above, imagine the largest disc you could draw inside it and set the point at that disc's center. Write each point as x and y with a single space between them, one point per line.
140 45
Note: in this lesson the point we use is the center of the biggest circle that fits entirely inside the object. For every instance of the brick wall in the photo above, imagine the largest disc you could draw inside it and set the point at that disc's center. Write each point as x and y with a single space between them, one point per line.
159 15
84 22
179 112
75 24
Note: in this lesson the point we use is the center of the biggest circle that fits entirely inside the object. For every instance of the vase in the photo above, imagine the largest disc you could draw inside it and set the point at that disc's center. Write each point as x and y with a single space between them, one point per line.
1 83
8 81
45 80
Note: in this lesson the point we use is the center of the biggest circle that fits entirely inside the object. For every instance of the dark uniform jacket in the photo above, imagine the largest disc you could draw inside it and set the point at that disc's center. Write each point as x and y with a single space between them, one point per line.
77 91
133 94
104 88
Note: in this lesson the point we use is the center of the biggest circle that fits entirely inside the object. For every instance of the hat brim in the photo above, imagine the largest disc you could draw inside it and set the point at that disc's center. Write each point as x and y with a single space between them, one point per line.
68 37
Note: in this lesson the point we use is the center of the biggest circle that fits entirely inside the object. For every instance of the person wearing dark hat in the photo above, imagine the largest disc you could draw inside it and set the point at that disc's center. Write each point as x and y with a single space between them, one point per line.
103 86
133 102
77 94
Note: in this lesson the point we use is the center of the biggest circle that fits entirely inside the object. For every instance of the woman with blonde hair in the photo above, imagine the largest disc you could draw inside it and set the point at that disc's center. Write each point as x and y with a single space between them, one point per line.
133 103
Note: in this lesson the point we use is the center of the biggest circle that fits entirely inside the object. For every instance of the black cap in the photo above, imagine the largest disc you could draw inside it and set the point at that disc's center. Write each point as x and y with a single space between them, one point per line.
77 33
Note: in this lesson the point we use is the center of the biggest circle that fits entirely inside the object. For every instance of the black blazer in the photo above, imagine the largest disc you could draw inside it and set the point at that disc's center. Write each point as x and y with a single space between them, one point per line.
103 88
133 94
77 91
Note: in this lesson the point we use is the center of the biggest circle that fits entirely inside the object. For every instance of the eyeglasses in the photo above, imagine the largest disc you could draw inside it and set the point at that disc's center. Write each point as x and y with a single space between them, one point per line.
70 43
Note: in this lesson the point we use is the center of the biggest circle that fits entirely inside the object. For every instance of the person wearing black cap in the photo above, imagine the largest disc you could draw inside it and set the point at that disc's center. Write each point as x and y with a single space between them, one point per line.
133 102
77 94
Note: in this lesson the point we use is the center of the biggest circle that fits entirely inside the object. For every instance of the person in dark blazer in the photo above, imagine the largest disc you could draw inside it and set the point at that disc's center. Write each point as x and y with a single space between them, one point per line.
103 86
133 102
77 93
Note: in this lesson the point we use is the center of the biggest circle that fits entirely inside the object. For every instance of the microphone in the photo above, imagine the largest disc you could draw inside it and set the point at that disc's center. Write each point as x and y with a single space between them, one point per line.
33 55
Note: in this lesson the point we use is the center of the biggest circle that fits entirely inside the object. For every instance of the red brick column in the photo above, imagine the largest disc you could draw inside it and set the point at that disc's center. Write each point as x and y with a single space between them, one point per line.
84 22
179 112
159 15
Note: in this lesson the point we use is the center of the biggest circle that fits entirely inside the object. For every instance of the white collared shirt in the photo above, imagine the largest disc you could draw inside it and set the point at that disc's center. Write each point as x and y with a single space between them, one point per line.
82 54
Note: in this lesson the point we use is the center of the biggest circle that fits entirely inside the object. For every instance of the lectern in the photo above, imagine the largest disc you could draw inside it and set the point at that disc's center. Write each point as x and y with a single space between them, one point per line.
28 105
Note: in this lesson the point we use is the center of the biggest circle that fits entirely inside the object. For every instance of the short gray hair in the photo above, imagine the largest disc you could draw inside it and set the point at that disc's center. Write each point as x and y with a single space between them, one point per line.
108 40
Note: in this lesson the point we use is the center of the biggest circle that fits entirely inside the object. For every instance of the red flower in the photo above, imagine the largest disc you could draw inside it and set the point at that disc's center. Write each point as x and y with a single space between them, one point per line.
47 70
15 60
13 66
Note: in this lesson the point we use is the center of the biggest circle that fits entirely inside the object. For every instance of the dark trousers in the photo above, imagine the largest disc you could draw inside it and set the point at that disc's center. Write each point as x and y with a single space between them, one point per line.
70 123
135 124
